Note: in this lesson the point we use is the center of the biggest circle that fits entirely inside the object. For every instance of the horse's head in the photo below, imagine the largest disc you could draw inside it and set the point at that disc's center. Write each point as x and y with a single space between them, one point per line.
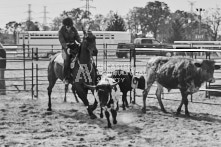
89 42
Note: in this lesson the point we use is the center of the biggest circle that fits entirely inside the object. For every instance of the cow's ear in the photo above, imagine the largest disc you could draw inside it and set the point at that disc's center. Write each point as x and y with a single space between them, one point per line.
197 64
217 67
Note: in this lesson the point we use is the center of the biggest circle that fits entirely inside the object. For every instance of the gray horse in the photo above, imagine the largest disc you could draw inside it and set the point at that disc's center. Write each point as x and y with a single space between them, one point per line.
83 72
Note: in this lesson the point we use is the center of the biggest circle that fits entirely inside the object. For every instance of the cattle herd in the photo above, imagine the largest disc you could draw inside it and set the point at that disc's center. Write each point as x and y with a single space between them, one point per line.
185 74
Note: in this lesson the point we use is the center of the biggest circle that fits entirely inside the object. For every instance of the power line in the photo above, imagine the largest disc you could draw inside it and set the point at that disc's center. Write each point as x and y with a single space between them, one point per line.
87 7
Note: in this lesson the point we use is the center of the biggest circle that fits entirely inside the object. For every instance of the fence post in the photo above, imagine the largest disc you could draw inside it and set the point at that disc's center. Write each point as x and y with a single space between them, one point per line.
52 48
28 51
37 72
130 73
2 70
105 57
32 73
24 81
134 52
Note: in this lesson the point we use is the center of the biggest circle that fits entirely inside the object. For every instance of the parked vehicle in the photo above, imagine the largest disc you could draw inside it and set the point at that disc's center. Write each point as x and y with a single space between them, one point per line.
123 49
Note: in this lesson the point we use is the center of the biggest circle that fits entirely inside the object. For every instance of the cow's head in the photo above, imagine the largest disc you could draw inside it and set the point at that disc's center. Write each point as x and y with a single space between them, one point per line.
138 82
103 90
206 68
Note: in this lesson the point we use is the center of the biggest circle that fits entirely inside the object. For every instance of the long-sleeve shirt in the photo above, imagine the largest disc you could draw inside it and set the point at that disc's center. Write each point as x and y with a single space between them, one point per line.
68 36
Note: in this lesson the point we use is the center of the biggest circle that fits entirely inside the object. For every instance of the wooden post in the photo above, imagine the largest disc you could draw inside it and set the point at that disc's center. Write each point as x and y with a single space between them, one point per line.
2 70
24 68
134 102
37 72
32 73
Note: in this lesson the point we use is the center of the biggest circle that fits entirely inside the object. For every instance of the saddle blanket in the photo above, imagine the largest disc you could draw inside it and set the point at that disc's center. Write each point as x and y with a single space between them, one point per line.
59 60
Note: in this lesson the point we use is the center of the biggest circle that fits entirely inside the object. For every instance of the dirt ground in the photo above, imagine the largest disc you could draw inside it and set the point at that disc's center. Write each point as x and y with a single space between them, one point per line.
26 123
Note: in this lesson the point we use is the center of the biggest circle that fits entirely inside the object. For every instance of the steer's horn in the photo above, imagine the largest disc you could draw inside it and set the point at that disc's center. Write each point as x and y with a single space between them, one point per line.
91 87
114 84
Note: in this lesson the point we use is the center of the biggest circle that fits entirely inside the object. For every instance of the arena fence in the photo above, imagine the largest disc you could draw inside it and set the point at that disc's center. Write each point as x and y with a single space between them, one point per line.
27 66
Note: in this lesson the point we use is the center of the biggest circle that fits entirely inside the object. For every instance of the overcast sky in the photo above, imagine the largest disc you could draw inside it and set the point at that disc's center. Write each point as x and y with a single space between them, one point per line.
16 10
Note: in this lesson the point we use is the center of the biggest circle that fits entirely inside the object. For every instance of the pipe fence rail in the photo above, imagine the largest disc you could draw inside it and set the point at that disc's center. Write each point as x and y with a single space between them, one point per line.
27 65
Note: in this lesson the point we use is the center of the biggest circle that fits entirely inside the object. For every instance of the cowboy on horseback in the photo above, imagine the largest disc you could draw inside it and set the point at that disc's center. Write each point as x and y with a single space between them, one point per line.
68 36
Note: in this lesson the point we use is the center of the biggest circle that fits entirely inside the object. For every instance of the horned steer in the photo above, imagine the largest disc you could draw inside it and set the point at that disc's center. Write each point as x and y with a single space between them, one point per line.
184 74
105 94
124 80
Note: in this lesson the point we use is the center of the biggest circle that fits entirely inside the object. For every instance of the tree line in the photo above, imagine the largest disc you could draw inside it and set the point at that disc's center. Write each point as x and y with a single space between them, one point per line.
154 18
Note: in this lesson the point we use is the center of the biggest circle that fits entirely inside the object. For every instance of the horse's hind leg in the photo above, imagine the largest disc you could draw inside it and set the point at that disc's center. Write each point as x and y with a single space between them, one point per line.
52 80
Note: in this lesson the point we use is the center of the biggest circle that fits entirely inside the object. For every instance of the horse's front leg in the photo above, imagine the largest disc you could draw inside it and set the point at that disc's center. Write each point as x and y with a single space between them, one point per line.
74 92
66 90
82 93
101 114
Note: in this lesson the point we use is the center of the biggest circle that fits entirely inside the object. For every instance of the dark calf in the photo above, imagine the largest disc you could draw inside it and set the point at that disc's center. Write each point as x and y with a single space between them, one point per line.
125 81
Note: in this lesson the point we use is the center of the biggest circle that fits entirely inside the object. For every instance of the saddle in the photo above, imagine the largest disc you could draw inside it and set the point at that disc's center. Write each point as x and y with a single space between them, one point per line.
60 60
74 51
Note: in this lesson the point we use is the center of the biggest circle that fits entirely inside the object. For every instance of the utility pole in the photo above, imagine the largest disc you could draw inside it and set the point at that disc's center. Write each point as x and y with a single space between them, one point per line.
200 18
44 16
191 5
87 7
190 20
29 16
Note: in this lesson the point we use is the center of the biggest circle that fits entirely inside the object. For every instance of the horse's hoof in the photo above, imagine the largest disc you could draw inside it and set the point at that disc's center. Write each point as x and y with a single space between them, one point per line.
164 111
49 109
187 114
92 107
177 113
144 110
101 115
115 122
93 116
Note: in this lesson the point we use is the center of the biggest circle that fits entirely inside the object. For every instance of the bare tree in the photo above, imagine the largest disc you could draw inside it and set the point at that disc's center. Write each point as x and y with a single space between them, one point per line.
213 20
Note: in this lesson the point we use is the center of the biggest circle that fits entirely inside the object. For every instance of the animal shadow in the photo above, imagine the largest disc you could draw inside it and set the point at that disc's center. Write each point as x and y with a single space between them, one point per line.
82 117
193 116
